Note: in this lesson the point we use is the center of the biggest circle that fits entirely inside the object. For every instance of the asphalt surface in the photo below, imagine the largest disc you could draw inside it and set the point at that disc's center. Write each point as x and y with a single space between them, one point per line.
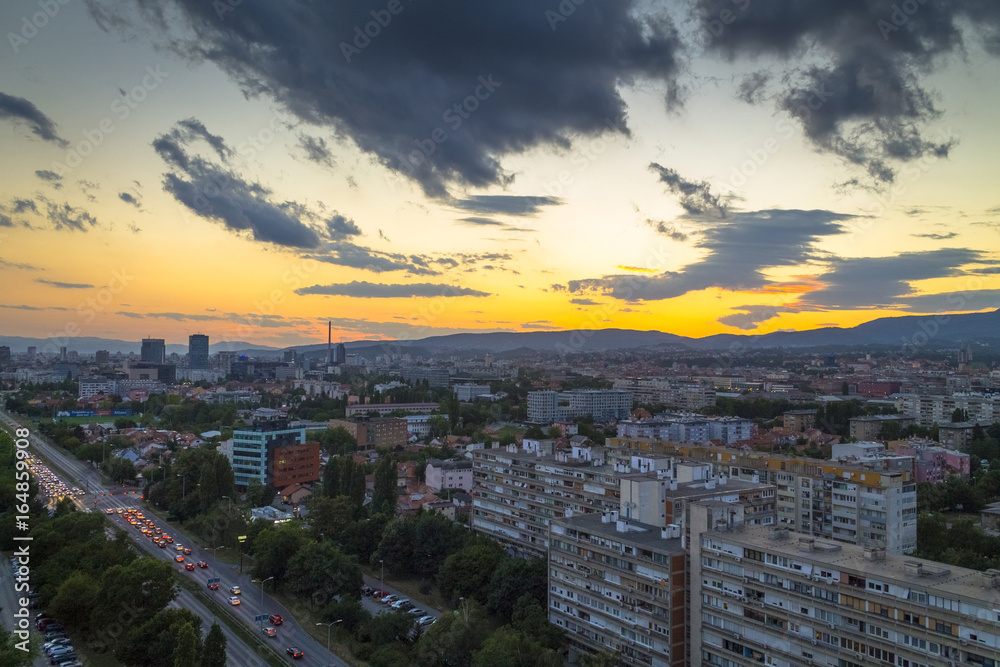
289 634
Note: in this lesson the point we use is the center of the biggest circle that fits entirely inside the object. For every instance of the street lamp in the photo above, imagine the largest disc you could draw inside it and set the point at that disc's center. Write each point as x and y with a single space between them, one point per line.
215 550
328 627
381 581
230 503
262 588
183 485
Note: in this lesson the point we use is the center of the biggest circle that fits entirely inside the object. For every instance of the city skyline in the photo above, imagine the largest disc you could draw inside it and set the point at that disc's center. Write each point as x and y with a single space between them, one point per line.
694 167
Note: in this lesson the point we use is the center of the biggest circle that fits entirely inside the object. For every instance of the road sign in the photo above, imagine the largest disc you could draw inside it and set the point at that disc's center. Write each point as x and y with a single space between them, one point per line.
242 538
215 580
259 617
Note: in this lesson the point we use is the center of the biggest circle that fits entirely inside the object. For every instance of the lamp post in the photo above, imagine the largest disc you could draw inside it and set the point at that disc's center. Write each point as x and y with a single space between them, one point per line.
329 626
261 587
215 550
230 503
381 581
183 485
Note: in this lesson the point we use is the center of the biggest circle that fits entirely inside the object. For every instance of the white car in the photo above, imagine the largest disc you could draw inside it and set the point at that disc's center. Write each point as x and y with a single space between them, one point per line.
425 620
234 600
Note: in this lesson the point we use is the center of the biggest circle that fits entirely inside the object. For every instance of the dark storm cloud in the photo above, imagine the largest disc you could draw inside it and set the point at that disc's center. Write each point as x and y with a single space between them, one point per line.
316 149
220 194
668 229
752 87
367 290
487 80
864 99
62 285
338 227
516 205
479 222
751 316
22 206
358 257
129 199
695 197
49 176
739 250
22 112
936 237
872 282
957 301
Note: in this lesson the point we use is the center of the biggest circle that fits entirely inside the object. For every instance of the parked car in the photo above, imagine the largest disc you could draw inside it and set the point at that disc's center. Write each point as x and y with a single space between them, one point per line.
389 599
401 604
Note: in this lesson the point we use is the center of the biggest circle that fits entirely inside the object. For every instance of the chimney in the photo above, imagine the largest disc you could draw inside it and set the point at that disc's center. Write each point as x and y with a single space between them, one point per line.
806 544
874 553
913 568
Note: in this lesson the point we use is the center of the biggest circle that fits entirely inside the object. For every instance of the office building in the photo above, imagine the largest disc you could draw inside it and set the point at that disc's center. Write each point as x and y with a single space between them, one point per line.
469 392
95 386
4 356
197 351
448 475
153 350
386 408
294 464
618 585
339 354
870 428
254 447
373 433
545 407
102 357
682 427
673 393
63 354
799 421
867 501
433 376
766 596
144 370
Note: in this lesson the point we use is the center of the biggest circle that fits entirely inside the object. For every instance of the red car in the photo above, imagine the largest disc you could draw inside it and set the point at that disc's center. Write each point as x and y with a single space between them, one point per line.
202 564
275 619
187 552
189 567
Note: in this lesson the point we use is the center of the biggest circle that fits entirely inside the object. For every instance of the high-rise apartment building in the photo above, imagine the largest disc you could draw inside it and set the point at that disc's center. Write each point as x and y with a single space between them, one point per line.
545 407
766 596
153 350
197 351
102 357
867 501
4 356
618 585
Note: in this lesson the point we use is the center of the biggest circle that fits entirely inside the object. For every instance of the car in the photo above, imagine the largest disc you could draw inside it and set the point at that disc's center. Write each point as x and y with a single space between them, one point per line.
294 651
179 547
189 567
274 619
179 559
119 510
54 649
367 591
52 627
234 600
389 599
379 594
416 611
235 590
187 551
213 586
202 564
60 657
109 511
168 539
161 544
56 642
270 632
425 620
401 603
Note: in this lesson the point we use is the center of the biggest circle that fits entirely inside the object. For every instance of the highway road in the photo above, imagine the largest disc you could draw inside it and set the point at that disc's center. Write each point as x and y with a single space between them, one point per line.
252 604
290 633
238 654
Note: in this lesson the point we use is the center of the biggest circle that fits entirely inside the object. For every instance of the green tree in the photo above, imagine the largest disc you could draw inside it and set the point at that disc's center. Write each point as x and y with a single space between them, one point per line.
338 441
438 426
74 600
213 652
274 548
529 618
384 495
959 415
187 649
328 516
509 648
208 486
11 655
144 587
512 579
454 638
154 642
321 572
604 658
259 495
468 573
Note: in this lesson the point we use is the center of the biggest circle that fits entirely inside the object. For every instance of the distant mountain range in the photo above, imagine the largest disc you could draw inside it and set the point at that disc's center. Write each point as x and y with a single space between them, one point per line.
917 330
